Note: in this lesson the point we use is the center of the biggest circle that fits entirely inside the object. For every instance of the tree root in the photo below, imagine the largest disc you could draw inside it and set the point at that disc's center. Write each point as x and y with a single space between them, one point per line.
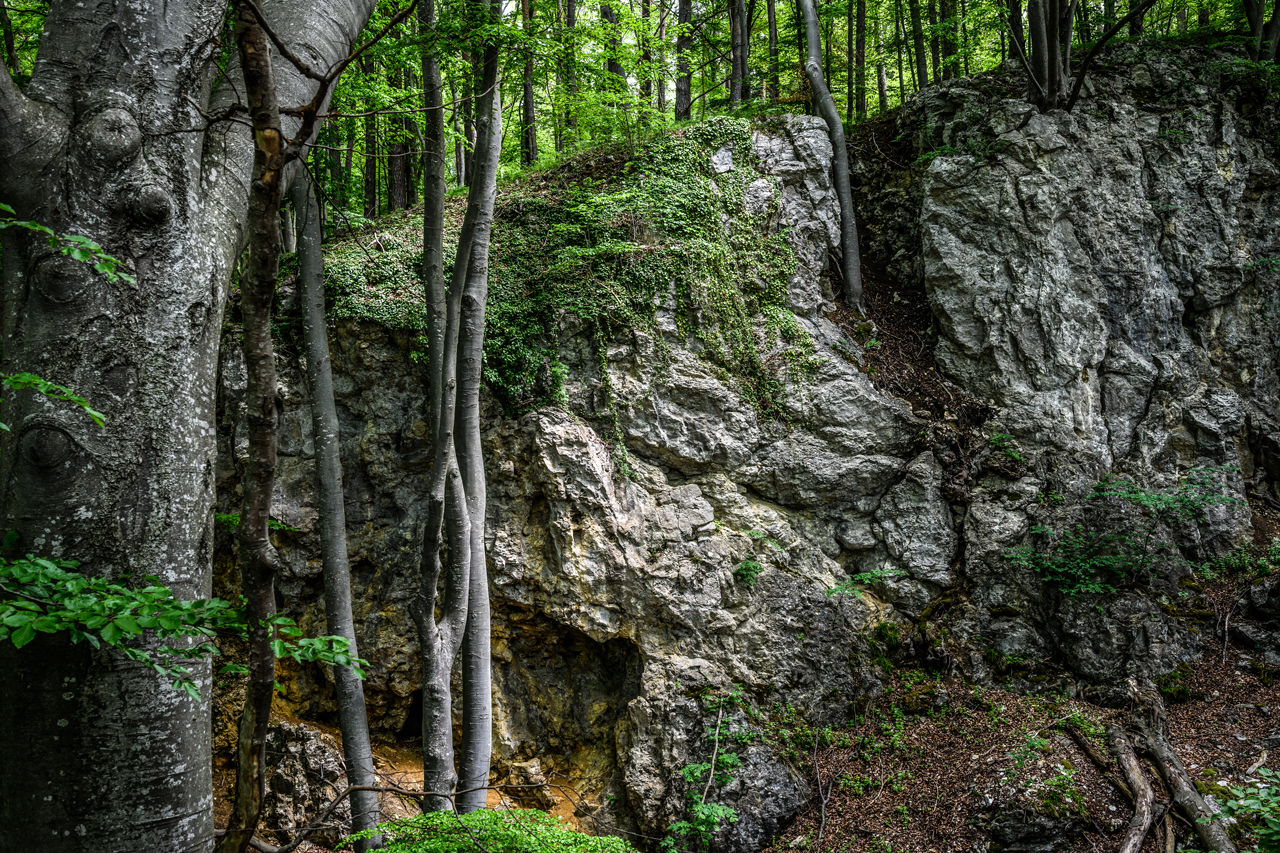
1100 760
1144 797
1211 832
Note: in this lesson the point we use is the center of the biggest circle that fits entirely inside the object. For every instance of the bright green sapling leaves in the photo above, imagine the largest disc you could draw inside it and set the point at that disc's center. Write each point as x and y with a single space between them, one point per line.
143 621
74 246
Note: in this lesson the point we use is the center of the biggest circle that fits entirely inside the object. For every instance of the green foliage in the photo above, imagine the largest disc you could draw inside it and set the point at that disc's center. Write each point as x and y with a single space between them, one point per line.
1259 807
141 620
490 831
1267 265
746 572
1007 446
74 246
231 520
20 381
855 583
1086 561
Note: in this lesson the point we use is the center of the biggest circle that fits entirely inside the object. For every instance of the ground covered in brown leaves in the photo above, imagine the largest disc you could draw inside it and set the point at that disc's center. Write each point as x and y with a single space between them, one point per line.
935 764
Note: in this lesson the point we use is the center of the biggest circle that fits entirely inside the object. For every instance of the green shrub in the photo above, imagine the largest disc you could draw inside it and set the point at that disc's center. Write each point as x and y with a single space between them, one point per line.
1259 808
494 831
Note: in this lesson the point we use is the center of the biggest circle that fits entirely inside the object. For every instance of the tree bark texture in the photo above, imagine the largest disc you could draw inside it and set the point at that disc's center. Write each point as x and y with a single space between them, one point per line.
684 44
735 54
852 261
773 51
860 60
1211 832
529 128
917 38
357 750
104 142
618 75
1143 795
456 498
255 553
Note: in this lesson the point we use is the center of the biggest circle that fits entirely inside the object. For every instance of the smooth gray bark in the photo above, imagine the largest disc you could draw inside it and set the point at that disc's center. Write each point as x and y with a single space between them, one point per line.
852 257
456 498
104 142
357 750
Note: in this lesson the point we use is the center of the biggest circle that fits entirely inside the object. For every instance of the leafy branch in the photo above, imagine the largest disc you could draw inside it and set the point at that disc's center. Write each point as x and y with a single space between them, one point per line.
74 246
47 596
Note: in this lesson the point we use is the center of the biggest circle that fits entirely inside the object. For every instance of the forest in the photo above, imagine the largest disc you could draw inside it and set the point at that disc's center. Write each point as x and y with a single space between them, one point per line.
462 425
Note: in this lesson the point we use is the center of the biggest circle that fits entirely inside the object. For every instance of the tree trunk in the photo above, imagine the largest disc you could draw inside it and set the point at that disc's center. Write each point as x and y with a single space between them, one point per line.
684 78
744 50
353 721
662 60
1135 23
917 37
948 38
455 330
370 151
735 54
882 78
860 60
618 75
646 55
571 64
935 44
11 60
529 129
774 87
255 553
288 232
840 161
1210 832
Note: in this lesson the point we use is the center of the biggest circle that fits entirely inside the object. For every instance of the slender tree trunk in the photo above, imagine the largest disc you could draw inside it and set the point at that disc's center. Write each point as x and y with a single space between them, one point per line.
468 121
10 51
774 87
935 44
529 132
851 266
456 501
744 53
370 151
948 38
571 67
646 55
882 78
662 60
860 60
288 232
1135 24
617 74
900 36
735 54
357 749
851 98
917 37
684 78
255 553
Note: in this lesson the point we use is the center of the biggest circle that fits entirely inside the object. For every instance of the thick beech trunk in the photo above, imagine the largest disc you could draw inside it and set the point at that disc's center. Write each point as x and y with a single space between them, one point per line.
357 751
105 142
852 264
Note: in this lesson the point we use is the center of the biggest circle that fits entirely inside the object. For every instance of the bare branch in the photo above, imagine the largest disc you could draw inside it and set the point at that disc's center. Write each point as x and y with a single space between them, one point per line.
1134 13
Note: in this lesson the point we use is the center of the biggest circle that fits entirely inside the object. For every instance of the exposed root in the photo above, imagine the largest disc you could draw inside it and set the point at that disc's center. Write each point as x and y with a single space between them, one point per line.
1100 761
1211 832
1144 797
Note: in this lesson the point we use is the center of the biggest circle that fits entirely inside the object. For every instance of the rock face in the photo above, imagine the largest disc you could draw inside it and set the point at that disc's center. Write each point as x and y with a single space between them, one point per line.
1090 279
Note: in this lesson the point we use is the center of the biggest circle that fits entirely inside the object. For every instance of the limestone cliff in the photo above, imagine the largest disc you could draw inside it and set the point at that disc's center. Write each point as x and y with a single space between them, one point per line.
661 539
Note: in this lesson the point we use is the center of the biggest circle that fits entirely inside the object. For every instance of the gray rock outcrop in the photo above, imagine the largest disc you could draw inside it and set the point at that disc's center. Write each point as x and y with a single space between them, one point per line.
1090 277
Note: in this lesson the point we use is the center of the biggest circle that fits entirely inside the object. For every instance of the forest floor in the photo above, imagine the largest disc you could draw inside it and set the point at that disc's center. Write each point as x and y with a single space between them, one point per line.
935 762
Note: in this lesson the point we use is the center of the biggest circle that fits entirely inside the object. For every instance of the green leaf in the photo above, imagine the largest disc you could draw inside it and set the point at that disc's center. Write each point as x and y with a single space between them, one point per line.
23 635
